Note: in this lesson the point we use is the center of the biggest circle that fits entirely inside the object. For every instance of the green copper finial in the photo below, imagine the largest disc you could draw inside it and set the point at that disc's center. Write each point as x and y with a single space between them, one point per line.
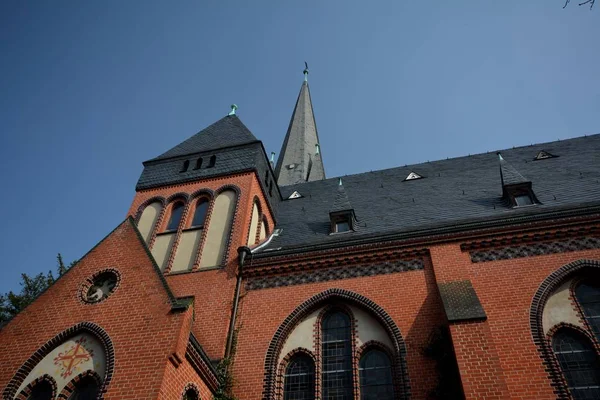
233 108
500 156
305 72
317 149
272 156
339 181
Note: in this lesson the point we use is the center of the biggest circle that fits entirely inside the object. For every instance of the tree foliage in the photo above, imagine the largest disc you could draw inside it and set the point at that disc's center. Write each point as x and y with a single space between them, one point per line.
31 287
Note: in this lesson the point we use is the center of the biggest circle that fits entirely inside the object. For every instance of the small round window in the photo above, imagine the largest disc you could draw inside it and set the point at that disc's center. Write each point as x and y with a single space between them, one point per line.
100 286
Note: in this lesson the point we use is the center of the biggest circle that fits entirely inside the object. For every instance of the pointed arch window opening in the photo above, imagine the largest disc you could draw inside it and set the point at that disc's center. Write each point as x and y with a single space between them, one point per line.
190 394
185 166
212 161
588 297
375 376
299 379
579 363
200 213
175 218
42 390
198 163
337 374
86 389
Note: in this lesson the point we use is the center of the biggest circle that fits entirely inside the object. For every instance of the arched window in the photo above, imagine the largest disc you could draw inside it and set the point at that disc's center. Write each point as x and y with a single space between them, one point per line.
337 357
148 220
588 296
299 379
176 212
186 165
579 364
375 374
200 213
211 161
41 391
215 245
86 389
190 394
198 163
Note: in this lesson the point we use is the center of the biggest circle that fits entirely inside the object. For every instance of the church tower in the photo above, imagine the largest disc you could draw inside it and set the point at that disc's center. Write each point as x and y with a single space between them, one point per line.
300 157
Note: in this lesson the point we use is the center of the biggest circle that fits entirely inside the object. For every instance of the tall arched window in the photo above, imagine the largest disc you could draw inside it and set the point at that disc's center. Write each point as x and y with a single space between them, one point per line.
299 379
337 357
200 213
176 213
588 296
41 391
579 364
86 389
375 374
198 163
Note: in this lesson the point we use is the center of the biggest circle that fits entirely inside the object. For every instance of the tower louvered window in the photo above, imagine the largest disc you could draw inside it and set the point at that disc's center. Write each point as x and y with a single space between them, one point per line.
579 364
299 379
176 212
588 296
200 213
337 357
375 374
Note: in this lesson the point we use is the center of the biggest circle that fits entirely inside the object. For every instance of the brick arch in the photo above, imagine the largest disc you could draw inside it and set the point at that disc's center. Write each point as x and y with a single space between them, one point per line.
342 297
202 192
192 387
155 199
284 364
24 395
535 320
44 350
70 387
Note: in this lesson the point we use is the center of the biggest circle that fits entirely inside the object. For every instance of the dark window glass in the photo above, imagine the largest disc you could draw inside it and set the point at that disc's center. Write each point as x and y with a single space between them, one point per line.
588 295
579 364
41 391
176 212
342 226
85 389
212 161
299 379
337 357
523 200
198 163
200 214
186 165
375 374
190 394
266 177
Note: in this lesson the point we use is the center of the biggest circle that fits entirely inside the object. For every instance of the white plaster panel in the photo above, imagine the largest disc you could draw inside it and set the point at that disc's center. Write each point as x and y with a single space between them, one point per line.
253 226
218 231
559 308
79 354
368 328
148 220
301 336
187 249
263 231
162 248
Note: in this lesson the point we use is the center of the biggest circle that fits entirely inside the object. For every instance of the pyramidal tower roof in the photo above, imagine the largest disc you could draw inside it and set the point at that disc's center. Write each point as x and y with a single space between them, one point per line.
226 132
509 174
300 156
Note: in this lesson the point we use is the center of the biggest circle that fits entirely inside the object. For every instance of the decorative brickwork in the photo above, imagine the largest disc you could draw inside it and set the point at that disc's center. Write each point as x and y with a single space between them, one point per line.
330 274
25 393
536 249
88 327
71 386
535 318
334 296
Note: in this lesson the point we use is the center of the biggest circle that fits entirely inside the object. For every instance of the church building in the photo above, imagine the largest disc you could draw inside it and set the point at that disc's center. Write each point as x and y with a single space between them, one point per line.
235 275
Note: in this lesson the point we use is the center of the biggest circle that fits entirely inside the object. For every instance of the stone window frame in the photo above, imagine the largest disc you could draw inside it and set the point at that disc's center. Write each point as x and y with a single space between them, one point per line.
70 387
24 395
543 341
335 297
87 284
82 327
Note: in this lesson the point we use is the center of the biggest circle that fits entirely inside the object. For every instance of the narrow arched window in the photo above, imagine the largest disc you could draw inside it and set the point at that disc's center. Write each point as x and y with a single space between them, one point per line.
190 394
299 379
41 391
185 166
375 374
211 161
176 212
86 389
337 357
200 213
579 364
198 163
588 296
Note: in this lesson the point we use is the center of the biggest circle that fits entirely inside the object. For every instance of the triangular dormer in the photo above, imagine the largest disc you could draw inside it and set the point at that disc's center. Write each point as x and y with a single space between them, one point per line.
543 155
295 195
413 176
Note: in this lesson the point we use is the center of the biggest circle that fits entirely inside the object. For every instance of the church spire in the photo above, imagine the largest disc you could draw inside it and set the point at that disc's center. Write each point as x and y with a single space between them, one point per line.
300 157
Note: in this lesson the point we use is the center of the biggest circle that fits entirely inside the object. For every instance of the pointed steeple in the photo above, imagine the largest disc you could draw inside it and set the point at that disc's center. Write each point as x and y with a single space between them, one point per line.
300 156
509 174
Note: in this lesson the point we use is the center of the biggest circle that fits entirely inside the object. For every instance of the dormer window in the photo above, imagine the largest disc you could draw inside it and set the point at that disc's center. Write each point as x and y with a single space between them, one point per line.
520 195
523 200
342 221
342 226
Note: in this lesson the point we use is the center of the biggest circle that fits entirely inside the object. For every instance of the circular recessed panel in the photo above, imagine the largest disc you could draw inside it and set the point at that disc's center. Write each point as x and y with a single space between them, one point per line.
100 286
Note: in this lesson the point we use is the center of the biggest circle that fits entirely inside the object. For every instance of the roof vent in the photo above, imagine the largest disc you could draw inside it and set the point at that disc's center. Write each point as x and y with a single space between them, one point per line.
542 155
295 195
412 176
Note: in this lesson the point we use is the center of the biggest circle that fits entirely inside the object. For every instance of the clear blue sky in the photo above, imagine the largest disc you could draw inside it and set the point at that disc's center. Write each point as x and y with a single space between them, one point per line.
90 89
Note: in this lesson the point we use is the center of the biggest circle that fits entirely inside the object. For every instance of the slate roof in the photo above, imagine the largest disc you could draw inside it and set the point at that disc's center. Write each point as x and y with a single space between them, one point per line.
452 192
226 132
509 174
